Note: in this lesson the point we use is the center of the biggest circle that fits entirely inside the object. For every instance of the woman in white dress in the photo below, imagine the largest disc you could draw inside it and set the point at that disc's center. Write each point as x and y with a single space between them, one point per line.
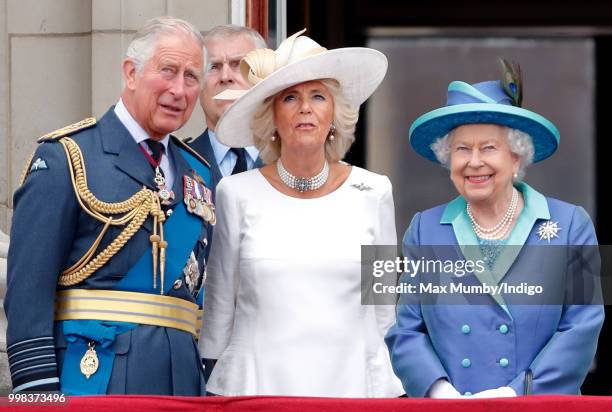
283 312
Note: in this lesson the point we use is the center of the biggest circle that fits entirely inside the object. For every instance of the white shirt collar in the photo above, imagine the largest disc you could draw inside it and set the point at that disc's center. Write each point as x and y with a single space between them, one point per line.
221 150
138 133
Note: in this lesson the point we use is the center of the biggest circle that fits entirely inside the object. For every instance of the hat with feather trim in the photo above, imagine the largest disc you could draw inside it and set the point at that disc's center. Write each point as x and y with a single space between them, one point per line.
298 59
496 102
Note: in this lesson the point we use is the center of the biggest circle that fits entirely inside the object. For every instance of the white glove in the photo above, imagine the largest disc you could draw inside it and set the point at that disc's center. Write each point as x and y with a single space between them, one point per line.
501 392
442 389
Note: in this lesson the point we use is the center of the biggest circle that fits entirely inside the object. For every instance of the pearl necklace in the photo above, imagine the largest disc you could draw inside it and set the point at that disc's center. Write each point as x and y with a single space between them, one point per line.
500 230
302 184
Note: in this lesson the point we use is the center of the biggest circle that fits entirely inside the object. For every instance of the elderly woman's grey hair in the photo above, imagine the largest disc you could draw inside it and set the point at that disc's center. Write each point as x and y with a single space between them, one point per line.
142 46
229 31
520 144
345 119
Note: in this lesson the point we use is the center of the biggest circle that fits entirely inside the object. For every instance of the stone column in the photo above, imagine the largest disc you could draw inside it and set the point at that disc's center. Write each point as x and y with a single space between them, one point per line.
5 381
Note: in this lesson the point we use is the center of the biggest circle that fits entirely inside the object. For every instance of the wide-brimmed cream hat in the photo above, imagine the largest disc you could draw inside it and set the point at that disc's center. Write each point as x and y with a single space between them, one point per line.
298 59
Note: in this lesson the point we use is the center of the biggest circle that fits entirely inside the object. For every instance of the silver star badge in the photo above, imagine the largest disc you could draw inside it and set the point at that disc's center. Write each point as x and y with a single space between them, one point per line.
548 230
361 187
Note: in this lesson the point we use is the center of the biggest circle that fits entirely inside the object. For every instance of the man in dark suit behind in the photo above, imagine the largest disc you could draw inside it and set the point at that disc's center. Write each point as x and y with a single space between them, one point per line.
225 46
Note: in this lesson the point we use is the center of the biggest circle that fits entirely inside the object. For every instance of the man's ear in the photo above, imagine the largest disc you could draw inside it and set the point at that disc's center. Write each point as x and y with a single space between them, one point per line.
128 69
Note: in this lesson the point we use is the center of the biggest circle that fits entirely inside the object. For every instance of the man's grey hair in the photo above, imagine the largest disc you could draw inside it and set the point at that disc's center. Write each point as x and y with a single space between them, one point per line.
142 47
520 144
227 31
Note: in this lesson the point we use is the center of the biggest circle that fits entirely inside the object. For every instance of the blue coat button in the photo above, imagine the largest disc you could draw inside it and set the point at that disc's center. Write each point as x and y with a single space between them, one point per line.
467 394
466 363
503 329
503 362
465 329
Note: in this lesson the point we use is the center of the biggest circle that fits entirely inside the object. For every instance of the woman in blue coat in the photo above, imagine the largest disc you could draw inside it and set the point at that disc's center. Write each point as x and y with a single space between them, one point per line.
502 346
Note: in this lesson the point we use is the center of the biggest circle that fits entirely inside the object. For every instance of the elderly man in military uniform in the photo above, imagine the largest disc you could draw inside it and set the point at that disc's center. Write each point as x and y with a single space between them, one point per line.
109 237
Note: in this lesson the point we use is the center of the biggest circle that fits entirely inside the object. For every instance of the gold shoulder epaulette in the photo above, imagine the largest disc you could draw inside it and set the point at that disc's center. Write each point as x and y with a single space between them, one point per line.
184 145
65 131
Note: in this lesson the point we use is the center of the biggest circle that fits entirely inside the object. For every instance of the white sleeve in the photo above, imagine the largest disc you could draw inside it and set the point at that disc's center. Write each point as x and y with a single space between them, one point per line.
221 285
385 234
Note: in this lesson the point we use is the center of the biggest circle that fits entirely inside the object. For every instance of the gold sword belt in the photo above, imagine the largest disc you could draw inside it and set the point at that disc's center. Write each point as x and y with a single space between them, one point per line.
134 307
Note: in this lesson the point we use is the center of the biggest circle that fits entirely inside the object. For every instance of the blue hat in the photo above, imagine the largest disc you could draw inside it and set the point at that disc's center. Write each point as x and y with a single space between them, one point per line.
485 102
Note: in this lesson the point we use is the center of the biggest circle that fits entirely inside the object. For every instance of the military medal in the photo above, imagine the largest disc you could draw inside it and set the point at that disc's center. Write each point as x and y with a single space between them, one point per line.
206 212
208 208
165 196
198 199
192 273
89 361
191 205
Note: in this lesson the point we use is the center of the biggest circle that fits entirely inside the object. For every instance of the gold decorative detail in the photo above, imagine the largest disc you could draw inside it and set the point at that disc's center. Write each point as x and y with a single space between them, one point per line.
89 361
134 211
70 129
121 306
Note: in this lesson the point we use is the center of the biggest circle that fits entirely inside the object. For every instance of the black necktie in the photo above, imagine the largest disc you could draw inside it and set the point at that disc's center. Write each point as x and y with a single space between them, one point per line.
157 150
241 164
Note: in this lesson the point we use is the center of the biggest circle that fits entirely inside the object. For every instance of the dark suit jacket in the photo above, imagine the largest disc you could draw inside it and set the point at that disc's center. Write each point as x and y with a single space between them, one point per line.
202 145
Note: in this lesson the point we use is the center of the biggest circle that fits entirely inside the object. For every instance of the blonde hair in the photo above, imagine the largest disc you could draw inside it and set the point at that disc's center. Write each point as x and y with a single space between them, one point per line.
345 119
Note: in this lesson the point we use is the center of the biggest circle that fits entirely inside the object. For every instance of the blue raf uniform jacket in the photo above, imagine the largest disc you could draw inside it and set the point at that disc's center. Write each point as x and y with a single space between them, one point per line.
50 232
493 343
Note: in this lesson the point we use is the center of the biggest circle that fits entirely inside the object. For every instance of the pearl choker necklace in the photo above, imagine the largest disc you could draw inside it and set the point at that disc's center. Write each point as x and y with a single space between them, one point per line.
303 184
500 230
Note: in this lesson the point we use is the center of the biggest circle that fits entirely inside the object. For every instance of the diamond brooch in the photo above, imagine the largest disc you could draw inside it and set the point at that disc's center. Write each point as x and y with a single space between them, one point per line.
548 230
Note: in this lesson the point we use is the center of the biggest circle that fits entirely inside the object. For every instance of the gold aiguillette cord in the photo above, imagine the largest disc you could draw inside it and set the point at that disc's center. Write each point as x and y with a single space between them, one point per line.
130 213
158 246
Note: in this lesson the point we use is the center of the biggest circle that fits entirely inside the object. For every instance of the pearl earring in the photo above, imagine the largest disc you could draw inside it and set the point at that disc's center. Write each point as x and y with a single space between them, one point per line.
332 130
515 176
273 137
